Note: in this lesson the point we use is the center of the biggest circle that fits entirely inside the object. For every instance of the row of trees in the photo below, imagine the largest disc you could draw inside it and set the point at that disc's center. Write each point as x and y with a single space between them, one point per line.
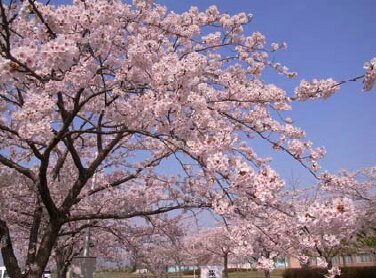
305 226
100 98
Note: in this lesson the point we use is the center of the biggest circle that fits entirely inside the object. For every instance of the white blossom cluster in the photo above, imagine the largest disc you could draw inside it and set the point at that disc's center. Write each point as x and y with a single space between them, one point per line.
370 75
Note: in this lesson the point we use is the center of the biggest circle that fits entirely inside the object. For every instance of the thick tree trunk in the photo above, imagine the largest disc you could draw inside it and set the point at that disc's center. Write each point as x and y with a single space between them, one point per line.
61 266
63 272
33 237
45 248
225 265
7 252
267 273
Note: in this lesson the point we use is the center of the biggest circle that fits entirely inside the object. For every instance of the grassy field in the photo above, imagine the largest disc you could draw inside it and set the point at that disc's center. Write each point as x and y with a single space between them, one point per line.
248 274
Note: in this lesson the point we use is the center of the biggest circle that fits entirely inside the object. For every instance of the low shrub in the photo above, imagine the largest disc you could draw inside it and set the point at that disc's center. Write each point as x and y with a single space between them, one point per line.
304 273
346 272
359 272
190 272
230 270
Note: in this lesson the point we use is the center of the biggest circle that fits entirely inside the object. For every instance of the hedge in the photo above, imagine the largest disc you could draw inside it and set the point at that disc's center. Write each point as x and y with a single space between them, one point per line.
346 272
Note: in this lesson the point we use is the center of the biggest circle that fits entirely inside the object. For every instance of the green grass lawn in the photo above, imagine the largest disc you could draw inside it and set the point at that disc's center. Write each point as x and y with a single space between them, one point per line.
248 274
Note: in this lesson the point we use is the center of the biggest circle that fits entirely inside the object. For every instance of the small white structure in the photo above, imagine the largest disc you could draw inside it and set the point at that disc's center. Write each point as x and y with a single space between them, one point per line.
211 271
142 270
3 272
46 274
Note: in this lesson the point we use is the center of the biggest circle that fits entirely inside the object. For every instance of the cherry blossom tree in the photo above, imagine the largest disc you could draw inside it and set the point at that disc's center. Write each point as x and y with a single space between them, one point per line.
155 245
211 246
64 252
359 186
262 241
104 244
98 96
301 225
326 229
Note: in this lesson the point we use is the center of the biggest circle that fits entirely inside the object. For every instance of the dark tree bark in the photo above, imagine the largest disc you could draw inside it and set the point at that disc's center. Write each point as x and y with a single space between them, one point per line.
62 270
62 264
225 265
48 241
329 261
7 252
33 237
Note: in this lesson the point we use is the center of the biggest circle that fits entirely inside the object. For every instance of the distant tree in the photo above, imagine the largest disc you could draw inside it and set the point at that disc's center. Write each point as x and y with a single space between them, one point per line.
211 246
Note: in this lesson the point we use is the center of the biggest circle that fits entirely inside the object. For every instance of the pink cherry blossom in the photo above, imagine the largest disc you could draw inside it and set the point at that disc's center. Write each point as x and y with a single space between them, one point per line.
370 75
113 112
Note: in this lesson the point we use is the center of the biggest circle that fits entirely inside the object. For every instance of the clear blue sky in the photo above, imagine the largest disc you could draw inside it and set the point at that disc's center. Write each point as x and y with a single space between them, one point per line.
326 38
